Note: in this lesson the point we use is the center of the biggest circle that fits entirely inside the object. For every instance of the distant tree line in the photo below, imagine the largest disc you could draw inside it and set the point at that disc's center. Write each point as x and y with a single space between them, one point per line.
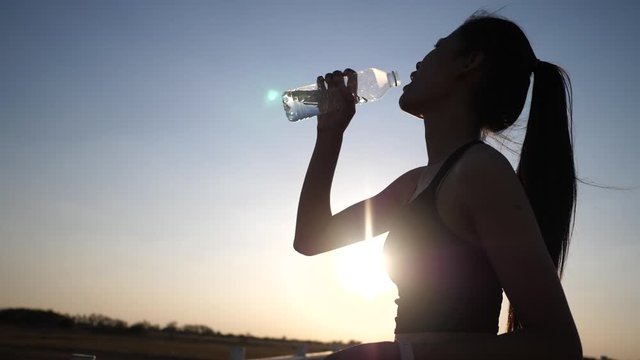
104 324
94 322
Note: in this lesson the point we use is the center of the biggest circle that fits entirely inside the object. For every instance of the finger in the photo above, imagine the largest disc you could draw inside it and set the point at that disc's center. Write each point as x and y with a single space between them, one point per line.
333 79
320 83
352 82
338 78
328 77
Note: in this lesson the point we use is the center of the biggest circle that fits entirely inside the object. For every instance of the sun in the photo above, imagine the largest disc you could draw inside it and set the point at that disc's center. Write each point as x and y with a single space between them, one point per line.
361 268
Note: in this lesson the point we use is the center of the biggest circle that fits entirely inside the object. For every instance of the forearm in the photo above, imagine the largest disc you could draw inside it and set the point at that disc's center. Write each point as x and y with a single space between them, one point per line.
314 208
522 344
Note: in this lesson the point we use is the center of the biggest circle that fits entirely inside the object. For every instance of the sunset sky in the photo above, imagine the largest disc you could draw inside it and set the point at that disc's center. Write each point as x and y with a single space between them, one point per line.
147 172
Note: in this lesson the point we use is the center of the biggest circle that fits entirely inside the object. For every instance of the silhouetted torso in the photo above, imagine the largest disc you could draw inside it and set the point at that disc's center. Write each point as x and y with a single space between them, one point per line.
445 283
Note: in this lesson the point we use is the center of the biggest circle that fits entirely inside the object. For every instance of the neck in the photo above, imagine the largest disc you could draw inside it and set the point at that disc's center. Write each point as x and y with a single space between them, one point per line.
444 133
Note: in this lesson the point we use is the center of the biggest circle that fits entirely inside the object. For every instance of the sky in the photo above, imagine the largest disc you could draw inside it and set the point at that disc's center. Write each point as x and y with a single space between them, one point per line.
148 173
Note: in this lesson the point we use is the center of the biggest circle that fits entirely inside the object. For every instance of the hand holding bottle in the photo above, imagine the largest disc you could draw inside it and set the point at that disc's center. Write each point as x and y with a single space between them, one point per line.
367 85
337 101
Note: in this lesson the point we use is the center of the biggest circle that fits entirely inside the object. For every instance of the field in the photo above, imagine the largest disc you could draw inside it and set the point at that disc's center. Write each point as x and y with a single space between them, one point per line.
27 343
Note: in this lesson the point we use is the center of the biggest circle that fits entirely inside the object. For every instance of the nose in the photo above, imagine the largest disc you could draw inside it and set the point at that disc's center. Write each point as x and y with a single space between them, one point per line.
418 65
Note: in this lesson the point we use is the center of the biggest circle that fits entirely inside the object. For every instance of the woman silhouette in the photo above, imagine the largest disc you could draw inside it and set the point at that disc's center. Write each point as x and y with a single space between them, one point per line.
465 227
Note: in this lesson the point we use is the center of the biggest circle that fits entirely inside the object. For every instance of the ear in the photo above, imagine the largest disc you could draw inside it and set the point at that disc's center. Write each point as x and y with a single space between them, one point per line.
470 62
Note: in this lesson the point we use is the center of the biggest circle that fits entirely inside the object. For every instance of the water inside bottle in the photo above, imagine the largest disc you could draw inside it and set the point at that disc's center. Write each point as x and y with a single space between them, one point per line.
300 104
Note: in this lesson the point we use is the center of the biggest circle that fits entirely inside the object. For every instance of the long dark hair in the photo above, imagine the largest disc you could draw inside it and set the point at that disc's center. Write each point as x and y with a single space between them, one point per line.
546 167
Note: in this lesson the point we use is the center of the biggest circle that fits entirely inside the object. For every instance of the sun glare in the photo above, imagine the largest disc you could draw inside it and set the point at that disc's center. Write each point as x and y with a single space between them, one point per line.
361 268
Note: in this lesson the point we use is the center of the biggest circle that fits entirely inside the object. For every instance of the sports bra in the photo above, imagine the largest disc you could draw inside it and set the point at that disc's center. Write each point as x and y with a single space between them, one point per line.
445 283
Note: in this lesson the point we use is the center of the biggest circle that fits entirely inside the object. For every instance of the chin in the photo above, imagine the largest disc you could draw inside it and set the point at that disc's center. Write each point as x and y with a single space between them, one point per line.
408 106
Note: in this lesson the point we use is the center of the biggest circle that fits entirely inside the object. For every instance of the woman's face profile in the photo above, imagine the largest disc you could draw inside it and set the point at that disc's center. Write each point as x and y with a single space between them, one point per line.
434 77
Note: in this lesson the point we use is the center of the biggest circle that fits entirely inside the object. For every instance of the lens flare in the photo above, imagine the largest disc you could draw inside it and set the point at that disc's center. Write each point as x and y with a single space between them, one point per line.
368 228
272 95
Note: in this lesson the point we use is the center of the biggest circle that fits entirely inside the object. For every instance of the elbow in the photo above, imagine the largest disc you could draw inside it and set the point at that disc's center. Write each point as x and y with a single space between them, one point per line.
577 349
574 352
568 347
580 356
302 250
575 344
302 247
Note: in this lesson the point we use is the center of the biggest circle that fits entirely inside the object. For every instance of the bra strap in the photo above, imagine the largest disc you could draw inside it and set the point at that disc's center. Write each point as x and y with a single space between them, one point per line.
444 169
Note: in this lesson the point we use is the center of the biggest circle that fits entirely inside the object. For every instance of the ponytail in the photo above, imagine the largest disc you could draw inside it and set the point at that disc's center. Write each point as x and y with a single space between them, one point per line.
546 168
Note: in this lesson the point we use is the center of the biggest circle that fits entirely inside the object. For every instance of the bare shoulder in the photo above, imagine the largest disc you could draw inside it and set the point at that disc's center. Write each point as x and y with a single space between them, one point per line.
479 163
483 165
485 159
493 197
463 184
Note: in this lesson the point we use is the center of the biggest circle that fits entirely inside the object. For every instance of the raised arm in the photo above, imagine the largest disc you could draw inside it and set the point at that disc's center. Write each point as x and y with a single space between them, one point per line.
317 229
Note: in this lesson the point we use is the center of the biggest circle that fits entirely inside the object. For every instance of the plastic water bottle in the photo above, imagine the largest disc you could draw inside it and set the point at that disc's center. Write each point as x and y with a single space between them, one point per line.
302 102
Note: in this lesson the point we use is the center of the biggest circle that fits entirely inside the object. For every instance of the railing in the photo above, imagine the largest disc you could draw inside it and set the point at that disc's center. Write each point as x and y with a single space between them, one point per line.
238 353
309 356
82 357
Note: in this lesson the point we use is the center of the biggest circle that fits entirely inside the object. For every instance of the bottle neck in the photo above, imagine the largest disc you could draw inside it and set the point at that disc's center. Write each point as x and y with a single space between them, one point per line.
393 78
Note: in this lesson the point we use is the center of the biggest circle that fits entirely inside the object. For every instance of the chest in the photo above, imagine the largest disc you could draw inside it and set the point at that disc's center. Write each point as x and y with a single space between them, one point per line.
448 205
424 251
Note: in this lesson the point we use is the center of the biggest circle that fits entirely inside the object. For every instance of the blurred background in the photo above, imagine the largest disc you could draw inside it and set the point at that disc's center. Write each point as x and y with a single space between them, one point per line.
148 171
